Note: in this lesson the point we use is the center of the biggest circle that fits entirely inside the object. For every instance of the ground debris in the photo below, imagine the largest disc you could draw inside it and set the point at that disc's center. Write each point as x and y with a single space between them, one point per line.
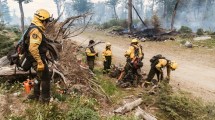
150 34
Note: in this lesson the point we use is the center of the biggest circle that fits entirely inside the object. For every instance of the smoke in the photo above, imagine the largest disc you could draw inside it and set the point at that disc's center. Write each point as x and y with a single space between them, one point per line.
196 14
192 13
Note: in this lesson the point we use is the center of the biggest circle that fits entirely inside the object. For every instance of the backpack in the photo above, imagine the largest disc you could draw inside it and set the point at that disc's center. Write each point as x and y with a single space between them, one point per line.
156 57
20 55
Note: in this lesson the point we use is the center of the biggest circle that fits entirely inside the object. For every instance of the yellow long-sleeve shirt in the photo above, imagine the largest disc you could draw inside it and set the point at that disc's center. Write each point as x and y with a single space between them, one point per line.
161 64
106 52
131 51
36 39
89 52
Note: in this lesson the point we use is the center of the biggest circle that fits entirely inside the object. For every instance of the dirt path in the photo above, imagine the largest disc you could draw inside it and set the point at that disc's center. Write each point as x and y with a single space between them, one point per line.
196 73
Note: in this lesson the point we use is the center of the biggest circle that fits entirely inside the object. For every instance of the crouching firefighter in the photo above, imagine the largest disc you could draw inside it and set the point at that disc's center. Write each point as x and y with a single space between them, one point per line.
91 54
107 58
132 69
158 63
34 48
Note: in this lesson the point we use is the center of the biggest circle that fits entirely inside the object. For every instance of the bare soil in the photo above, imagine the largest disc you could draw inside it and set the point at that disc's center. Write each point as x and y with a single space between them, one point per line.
196 66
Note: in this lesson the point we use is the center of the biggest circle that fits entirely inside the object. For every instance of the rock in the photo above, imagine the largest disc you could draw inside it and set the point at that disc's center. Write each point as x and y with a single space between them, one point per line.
143 39
17 94
4 31
202 38
188 44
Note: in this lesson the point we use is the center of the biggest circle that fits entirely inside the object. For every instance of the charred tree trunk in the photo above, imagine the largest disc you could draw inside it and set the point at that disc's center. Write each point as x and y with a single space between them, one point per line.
165 18
174 14
22 16
115 14
139 16
130 15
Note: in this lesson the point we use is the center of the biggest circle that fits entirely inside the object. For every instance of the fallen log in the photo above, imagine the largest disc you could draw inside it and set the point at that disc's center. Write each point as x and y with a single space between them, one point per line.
10 71
141 114
128 106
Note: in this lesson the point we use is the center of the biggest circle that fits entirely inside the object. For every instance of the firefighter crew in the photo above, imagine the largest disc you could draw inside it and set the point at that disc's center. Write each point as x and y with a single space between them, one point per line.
91 55
37 50
107 58
134 57
157 68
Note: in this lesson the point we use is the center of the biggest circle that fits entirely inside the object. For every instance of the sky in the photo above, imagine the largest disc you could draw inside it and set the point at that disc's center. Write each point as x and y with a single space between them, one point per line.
31 7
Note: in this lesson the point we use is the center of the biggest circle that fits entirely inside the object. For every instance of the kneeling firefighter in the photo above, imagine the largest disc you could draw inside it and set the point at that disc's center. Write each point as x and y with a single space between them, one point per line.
132 69
107 57
36 54
159 62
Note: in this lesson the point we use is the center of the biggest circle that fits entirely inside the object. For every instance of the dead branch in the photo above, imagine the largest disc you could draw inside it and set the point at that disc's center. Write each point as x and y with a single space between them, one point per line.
99 88
68 21
128 106
141 114
83 28
55 71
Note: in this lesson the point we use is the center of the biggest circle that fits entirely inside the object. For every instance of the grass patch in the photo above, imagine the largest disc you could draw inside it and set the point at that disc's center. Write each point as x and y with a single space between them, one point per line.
178 106
105 82
74 108
82 108
118 117
206 43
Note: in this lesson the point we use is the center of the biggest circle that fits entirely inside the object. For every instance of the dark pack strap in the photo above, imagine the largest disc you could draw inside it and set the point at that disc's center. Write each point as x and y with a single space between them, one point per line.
136 50
32 26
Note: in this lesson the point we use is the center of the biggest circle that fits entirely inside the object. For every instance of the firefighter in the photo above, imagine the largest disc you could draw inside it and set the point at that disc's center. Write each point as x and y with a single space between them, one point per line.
107 58
91 55
134 57
37 51
157 66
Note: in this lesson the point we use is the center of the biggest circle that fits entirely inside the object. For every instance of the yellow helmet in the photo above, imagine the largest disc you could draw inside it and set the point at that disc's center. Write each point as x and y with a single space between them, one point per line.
173 65
134 41
42 14
108 44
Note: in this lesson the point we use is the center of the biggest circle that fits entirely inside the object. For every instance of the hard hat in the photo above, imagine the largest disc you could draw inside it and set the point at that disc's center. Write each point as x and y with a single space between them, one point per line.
173 65
42 14
108 44
134 41
91 41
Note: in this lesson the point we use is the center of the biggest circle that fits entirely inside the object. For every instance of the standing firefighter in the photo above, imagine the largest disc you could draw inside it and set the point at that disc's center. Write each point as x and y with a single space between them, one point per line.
91 55
107 57
159 62
36 53
134 63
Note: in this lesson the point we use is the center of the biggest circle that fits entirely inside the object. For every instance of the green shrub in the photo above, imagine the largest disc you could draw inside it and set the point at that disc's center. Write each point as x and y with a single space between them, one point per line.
114 22
200 31
116 28
5 44
185 29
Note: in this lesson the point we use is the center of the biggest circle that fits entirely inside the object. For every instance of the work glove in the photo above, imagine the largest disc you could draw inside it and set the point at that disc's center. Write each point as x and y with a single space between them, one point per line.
40 66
